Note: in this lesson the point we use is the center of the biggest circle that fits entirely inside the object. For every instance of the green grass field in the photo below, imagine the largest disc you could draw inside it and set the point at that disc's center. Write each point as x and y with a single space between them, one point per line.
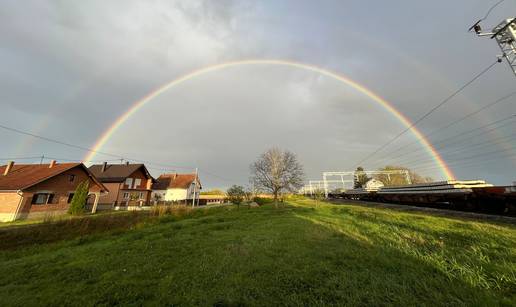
301 254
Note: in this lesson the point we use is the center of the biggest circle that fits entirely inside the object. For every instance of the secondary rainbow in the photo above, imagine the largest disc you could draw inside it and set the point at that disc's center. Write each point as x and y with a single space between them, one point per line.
445 170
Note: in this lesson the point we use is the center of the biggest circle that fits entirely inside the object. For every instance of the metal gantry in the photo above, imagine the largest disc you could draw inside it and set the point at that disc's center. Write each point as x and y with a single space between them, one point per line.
352 177
314 186
346 181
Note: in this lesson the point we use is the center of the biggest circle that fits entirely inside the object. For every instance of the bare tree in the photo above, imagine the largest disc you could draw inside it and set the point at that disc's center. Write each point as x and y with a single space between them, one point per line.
277 171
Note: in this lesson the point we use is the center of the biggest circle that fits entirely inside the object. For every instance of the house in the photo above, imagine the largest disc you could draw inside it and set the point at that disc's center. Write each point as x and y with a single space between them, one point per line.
176 187
127 183
37 190
211 199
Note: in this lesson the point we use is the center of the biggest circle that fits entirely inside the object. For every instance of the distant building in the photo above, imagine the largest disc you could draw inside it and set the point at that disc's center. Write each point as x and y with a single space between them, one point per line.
211 199
176 187
373 185
128 184
36 190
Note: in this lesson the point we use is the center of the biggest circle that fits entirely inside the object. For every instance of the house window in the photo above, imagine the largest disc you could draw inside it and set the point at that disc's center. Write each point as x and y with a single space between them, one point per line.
42 198
129 182
126 195
141 195
137 182
71 178
70 197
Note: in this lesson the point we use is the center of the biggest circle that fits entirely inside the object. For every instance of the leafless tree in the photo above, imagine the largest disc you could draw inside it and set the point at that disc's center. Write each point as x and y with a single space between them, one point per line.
277 171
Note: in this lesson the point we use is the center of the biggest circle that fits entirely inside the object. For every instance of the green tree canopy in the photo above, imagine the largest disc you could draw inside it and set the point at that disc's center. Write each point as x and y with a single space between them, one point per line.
360 178
78 204
236 194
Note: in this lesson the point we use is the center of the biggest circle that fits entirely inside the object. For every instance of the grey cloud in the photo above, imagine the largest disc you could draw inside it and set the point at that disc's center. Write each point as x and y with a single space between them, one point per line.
70 68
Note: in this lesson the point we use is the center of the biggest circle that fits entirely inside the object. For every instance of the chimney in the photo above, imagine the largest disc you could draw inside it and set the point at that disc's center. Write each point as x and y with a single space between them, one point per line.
8 168
127 163
104 166
52 164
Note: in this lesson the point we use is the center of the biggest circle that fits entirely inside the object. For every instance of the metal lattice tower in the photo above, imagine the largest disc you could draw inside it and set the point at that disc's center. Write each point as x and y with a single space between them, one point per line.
505 35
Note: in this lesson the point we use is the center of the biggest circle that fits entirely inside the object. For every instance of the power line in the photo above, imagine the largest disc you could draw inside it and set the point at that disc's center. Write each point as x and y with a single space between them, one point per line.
52 140
214 175
73 160
57 141
453 123
476 26
472 164
429 112
20 158
445 147
468 163
485 153
469 147
465 133
473 157
122 158
491 9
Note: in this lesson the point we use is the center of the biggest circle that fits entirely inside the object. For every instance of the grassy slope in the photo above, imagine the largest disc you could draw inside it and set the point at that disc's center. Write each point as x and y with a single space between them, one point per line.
296 255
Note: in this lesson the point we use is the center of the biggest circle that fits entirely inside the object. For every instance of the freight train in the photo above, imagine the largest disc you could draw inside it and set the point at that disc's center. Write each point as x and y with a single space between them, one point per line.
470 195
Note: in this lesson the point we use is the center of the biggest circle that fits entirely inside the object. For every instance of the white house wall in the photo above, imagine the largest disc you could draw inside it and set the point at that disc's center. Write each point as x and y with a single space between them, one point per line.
176 194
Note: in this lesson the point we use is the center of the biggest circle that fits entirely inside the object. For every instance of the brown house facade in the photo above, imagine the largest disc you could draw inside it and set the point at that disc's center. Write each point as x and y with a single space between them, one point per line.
128 184
37 190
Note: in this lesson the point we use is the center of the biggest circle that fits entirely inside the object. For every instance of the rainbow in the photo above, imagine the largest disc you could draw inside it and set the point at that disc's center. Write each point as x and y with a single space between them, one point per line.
446 171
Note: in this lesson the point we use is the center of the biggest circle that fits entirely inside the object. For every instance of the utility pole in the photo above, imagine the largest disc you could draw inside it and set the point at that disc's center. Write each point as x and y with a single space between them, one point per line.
195 188
42 158
505 35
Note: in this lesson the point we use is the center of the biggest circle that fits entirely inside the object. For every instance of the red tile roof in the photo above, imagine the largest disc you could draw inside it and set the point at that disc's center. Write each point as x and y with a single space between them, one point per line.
117 172
23 176
174 181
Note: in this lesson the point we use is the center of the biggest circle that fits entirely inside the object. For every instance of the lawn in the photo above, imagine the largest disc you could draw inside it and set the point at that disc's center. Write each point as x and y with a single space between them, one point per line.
302 254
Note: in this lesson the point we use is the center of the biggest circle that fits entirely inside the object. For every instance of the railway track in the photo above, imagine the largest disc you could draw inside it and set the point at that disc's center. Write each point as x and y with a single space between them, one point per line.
430 210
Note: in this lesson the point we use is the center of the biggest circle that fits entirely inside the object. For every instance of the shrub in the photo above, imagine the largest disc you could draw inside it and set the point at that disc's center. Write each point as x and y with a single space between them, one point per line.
236 194
78 204
263 201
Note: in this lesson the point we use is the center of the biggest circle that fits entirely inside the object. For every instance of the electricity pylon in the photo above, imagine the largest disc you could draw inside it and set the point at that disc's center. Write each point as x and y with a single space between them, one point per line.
505 35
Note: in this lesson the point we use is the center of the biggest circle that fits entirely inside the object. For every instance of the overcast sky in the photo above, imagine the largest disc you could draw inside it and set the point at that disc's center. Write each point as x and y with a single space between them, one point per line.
70 68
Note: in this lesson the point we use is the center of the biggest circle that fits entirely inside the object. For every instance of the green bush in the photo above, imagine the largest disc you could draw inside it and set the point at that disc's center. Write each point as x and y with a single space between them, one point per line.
78 204
263 201
236 194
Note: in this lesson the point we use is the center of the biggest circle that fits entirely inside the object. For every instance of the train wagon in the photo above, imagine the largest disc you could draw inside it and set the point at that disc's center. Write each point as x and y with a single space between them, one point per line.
467 195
